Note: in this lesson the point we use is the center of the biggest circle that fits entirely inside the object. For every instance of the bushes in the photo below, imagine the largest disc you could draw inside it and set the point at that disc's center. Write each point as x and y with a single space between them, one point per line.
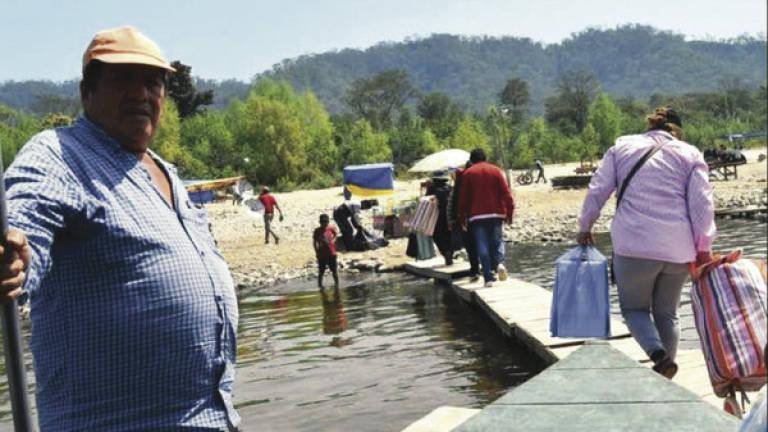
289 141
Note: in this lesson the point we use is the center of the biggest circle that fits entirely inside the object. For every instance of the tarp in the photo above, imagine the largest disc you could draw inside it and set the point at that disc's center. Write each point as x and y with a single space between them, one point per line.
369 180
201 197
201 191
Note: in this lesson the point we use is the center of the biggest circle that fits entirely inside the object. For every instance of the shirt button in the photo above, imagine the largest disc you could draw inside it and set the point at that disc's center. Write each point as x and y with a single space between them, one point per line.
202 253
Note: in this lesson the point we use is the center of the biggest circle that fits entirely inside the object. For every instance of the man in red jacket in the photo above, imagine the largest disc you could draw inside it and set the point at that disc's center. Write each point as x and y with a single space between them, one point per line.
484 203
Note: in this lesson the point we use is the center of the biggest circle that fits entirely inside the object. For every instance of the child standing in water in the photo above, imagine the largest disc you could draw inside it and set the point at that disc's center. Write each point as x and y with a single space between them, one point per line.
324 242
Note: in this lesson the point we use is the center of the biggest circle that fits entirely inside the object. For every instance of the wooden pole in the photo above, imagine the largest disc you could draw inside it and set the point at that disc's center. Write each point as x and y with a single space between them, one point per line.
14 357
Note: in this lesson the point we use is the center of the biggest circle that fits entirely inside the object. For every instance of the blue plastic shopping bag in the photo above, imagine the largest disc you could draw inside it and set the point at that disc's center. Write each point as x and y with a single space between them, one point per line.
580 306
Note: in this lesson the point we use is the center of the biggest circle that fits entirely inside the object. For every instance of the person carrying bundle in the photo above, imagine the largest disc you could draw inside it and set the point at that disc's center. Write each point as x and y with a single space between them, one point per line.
664 219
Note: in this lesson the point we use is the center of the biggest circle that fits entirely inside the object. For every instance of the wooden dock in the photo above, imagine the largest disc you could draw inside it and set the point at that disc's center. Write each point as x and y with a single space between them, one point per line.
435 268
521 311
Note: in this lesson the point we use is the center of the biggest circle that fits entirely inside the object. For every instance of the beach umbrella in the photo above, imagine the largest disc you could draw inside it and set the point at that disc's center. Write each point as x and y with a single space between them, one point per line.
442 160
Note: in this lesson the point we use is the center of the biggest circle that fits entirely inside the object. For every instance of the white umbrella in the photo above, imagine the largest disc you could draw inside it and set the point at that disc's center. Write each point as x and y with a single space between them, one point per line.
442 160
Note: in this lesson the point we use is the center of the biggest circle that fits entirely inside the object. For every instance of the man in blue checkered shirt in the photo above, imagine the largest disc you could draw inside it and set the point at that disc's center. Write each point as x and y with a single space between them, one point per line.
133 308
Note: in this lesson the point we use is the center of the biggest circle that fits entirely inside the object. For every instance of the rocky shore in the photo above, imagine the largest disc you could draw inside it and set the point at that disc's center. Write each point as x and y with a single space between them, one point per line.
543 215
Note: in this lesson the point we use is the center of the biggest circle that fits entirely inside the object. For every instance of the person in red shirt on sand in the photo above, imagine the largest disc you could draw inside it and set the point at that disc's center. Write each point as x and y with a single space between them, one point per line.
270 204
485 201
324 242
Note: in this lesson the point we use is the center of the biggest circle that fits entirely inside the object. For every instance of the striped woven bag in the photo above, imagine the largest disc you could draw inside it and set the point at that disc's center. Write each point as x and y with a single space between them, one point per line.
729 306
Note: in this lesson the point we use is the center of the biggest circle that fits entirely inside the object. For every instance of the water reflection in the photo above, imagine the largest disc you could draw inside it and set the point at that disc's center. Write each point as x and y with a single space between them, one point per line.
334 319
372 356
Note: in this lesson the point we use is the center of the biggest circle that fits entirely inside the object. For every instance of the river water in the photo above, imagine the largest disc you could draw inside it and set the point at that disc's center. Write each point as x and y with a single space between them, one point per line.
385 350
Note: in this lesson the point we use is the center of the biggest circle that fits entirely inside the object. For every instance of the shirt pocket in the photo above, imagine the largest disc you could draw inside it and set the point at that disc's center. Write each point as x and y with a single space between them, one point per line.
196 221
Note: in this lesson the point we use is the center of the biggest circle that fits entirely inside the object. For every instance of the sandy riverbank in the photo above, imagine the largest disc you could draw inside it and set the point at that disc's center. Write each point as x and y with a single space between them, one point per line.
543 214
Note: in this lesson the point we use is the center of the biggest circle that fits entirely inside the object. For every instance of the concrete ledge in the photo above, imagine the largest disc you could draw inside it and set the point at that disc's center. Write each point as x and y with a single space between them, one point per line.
442 419
598 388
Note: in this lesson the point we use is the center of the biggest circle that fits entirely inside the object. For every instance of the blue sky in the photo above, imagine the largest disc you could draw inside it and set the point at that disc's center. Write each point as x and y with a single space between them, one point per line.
44 39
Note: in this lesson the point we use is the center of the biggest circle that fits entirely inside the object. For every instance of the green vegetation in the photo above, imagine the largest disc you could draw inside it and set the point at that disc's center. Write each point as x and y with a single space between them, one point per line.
300 124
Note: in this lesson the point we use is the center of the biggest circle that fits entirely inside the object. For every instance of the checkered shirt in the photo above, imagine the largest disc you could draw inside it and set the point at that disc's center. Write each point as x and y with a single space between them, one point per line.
134 313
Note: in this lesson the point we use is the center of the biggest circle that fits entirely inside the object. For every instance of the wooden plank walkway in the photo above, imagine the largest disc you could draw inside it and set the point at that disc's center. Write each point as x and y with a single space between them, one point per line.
521 310
749 212
435 268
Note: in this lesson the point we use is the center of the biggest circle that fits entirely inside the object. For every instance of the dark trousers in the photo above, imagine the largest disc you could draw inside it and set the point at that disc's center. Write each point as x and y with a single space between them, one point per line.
268 217
329 262
541 176
444 243
347 236
471 247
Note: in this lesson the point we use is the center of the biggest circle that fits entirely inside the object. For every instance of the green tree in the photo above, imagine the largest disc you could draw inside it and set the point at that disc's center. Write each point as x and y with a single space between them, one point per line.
275 142
588 148
322 154
761 108
167 140
515 97
499 129
378 98
287 138
606 119
469 135
209 146
411 140
523 152
360 144
440 114
16 128
568 109
181 89
544 143
633 114
735 98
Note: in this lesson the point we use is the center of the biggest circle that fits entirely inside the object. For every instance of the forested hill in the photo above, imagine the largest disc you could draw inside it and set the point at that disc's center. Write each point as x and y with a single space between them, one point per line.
631 60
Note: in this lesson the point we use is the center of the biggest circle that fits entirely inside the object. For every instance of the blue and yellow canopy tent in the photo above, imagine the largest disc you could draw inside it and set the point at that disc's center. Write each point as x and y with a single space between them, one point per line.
371 180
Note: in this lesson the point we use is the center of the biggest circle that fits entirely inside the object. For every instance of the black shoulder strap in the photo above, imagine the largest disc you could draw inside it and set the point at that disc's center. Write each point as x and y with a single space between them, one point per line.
634 169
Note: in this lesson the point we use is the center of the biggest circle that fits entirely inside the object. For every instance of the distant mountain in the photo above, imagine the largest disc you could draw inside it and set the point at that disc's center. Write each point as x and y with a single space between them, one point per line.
38 96
41 97
631 60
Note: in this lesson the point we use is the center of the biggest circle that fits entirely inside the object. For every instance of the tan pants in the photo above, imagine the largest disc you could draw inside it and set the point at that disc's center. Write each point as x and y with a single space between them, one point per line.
268 227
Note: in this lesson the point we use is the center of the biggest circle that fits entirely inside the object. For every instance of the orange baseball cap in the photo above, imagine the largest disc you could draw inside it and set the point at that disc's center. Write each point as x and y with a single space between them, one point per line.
125 45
